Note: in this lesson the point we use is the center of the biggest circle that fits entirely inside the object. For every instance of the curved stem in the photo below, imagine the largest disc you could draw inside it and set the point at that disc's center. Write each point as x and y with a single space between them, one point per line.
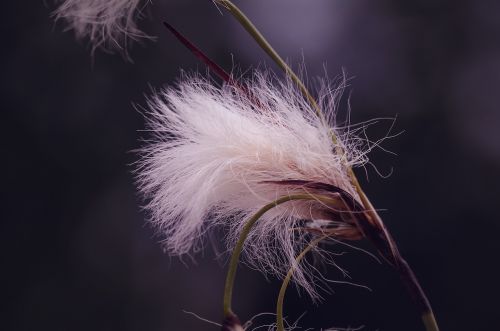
233 264
430 321
280 325
407 275
264 44
373 217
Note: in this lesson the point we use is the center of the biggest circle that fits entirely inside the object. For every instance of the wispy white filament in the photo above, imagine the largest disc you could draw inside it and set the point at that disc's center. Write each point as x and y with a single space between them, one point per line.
214 152
109 24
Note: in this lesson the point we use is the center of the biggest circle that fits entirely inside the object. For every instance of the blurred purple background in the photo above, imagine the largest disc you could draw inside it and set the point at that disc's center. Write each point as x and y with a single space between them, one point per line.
77 251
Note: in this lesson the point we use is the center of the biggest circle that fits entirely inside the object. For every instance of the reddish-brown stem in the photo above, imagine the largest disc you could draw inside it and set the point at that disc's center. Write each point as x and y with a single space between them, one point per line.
217 69
376 232
221 73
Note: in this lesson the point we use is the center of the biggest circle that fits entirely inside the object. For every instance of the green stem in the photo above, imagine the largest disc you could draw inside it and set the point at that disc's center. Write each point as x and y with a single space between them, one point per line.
430 321
427 315
235 257
280 325
264 44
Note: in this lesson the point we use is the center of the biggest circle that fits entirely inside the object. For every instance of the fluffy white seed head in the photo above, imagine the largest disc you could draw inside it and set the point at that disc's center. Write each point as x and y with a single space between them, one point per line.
214 153
108 24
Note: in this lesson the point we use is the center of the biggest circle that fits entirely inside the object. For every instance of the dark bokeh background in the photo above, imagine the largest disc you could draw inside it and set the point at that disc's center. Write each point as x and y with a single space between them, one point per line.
77 253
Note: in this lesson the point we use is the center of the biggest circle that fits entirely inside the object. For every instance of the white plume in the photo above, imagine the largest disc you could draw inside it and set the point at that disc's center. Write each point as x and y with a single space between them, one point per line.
108 24
214 152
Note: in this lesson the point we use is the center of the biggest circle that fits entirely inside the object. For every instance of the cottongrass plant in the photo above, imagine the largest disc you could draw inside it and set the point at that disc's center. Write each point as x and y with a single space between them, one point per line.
108 24
260 158
363 214
216 159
